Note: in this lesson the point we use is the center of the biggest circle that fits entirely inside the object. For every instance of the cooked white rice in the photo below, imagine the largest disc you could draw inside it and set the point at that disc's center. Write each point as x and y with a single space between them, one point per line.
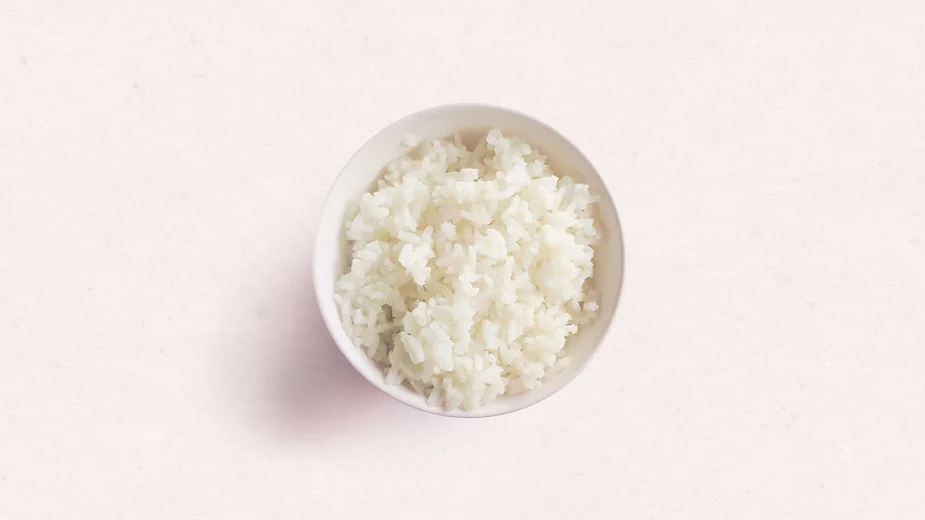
469 270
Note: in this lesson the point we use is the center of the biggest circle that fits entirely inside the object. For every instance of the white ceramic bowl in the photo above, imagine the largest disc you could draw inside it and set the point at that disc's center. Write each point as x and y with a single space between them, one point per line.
471 121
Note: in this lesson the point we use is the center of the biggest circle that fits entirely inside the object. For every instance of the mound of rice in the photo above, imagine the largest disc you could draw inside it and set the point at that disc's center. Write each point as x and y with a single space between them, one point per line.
469 270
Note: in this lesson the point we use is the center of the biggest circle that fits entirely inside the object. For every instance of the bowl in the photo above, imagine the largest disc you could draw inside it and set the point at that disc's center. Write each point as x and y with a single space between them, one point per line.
471 121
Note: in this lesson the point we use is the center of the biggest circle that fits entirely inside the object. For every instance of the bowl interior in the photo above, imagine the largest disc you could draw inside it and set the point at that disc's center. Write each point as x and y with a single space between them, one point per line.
471 121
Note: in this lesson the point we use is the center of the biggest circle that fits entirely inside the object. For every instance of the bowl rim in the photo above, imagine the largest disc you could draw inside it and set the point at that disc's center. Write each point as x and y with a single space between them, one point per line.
331 316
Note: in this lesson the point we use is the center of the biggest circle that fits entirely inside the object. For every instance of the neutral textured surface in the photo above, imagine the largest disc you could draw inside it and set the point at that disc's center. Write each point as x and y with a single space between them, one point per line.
162 164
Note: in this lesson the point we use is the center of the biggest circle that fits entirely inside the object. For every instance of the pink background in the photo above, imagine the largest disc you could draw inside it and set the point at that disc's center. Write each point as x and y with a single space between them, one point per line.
163 164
